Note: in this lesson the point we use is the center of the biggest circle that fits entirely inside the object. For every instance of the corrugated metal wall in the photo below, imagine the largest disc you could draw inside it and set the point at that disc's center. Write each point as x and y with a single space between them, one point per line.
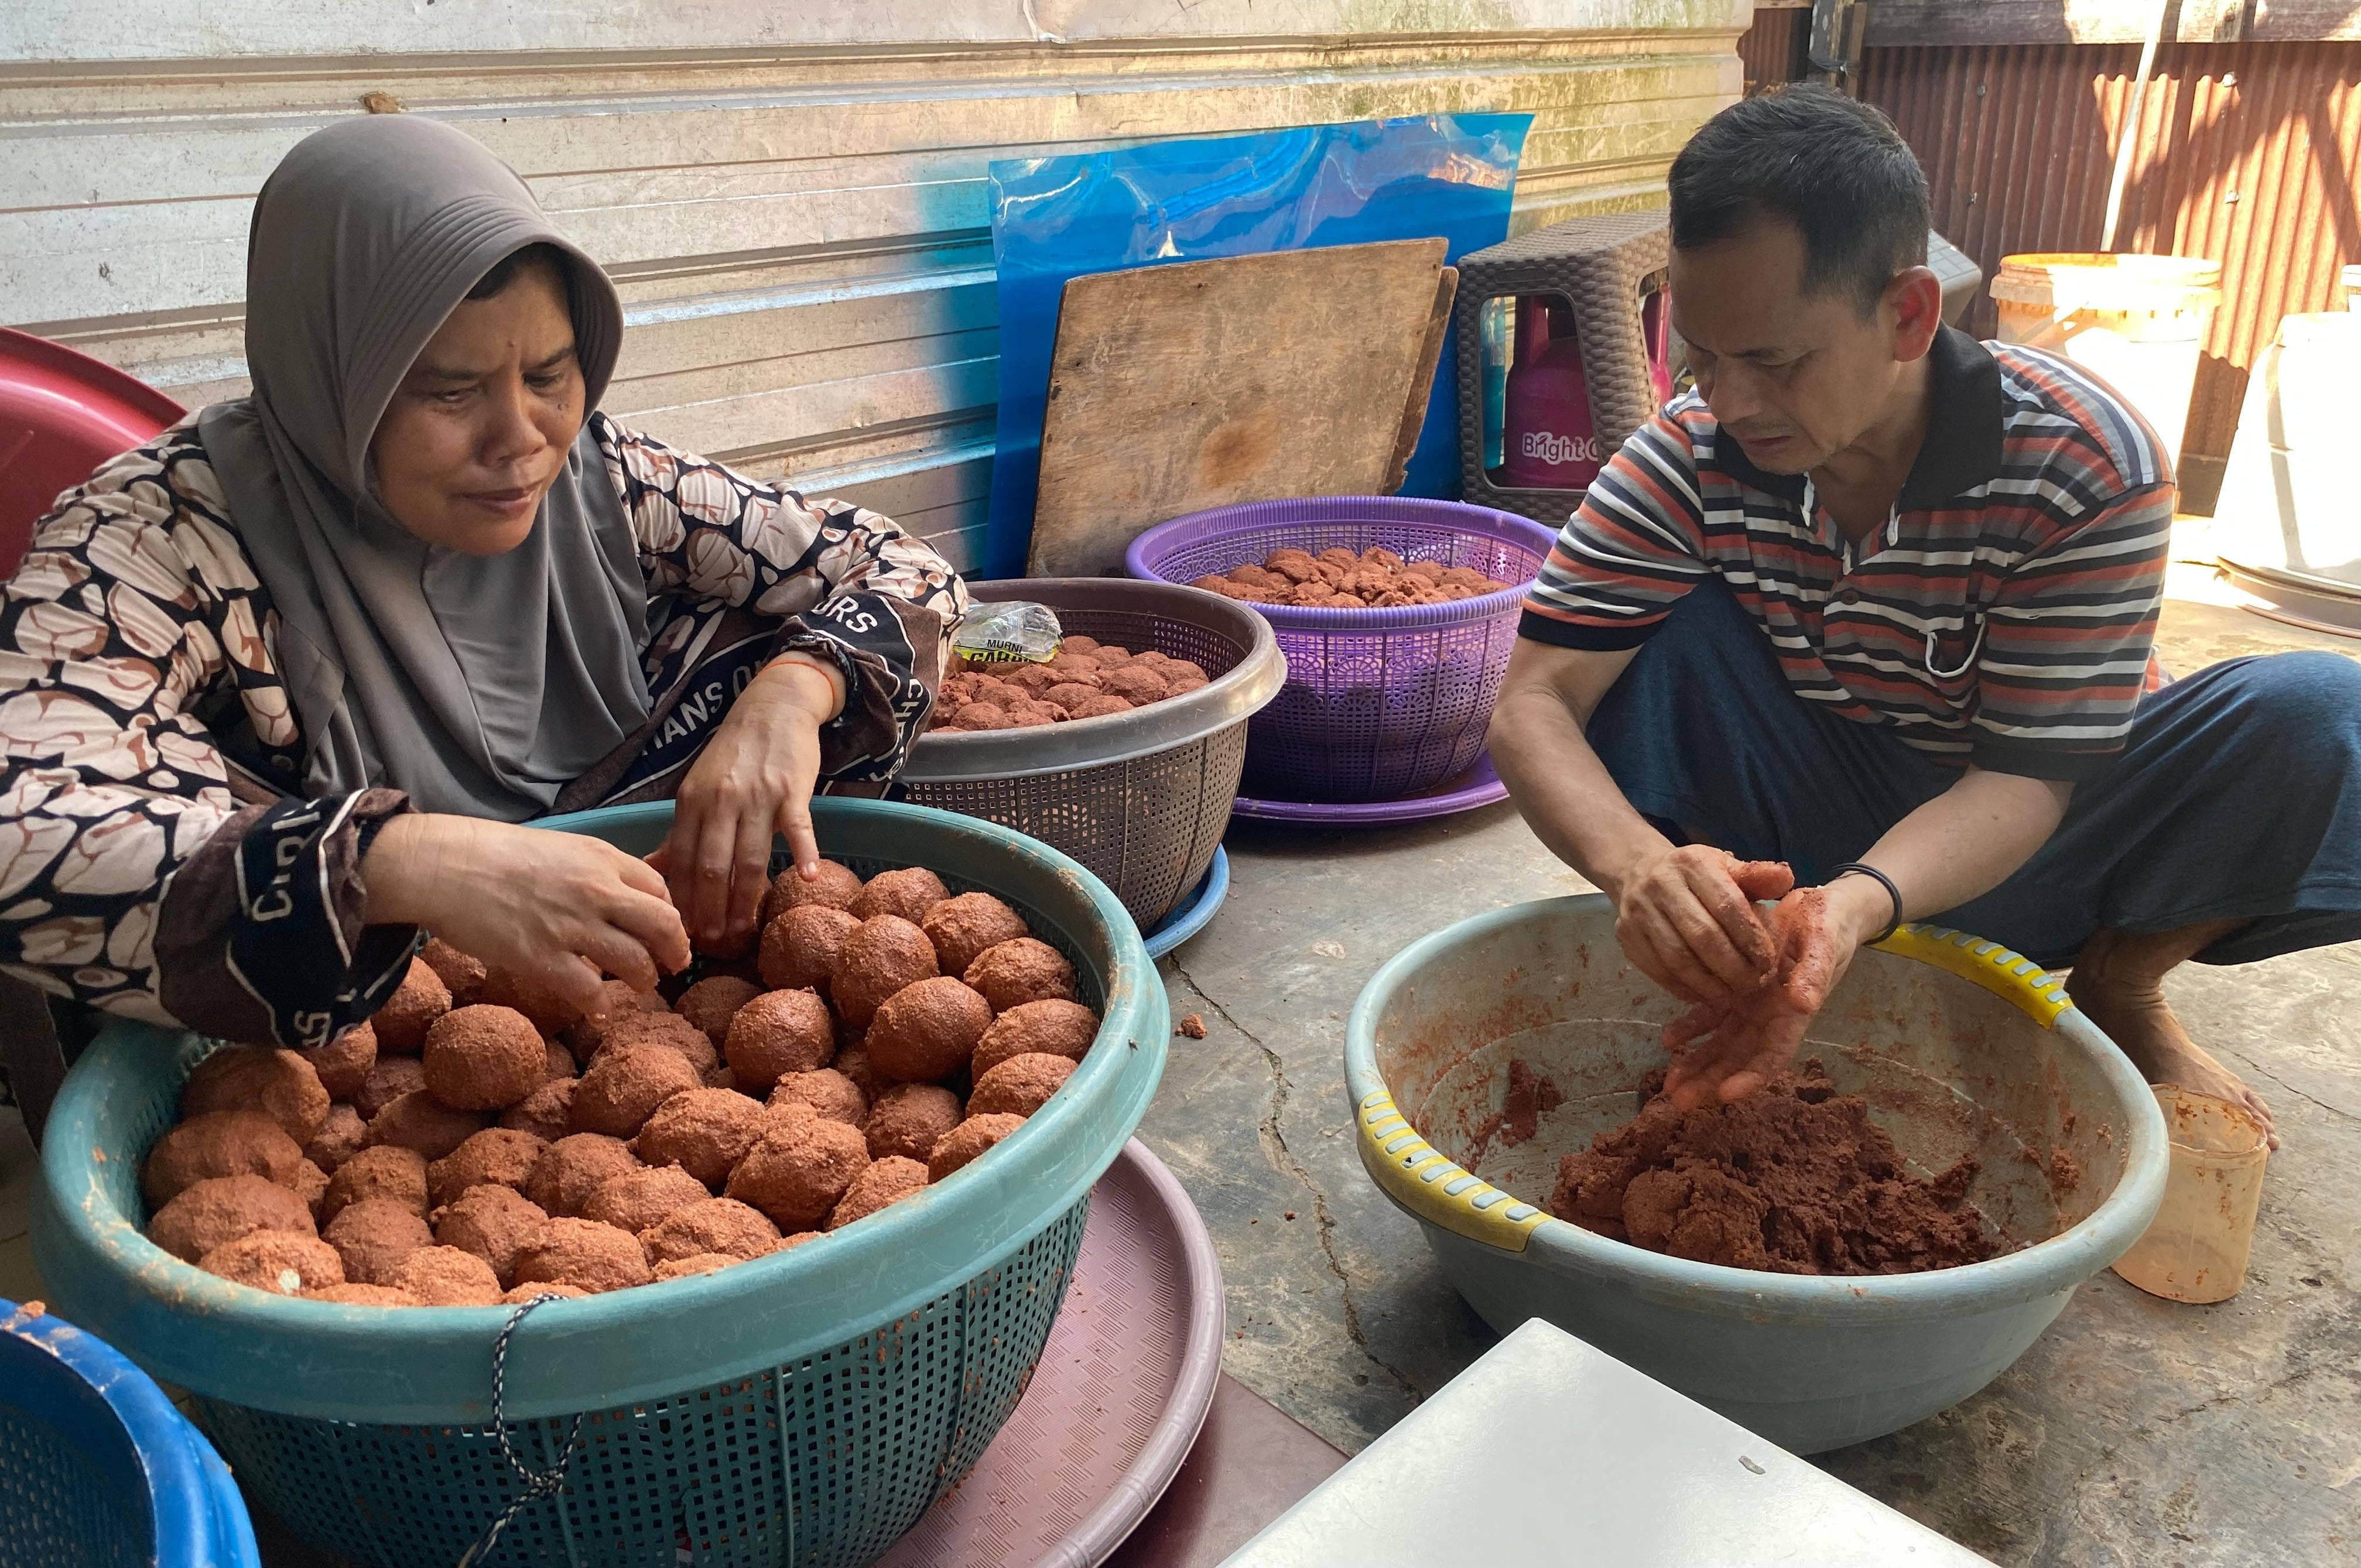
1771 50
791 198
2247 154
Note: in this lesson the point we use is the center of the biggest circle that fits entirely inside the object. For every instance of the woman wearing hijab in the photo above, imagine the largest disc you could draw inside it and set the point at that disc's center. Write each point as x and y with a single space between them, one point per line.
279 687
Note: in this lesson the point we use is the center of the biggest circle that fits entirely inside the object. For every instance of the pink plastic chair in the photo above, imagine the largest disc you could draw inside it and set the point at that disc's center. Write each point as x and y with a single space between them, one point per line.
61 415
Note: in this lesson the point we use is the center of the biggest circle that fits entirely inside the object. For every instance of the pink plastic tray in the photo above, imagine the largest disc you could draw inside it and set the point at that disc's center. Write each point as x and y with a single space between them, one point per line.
1117 1401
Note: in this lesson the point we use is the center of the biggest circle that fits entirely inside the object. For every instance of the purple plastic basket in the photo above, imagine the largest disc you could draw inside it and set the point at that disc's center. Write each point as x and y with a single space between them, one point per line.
1379 704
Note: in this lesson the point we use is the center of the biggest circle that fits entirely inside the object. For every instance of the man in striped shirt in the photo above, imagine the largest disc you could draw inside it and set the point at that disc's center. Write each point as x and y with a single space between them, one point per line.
1877 601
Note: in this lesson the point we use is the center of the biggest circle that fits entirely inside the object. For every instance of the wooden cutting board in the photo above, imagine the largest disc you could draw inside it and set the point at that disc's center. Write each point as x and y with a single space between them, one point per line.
1248 379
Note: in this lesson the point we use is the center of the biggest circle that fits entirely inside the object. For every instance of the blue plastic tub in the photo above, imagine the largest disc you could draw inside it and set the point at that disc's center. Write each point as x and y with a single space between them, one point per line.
803 1409
97 1469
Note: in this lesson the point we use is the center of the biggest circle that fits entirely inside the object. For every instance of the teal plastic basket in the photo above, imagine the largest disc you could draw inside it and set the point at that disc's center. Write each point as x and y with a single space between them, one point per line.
803 1409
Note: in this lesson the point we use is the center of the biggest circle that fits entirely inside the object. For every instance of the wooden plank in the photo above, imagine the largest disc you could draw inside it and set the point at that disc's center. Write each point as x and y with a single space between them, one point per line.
1421 382
1212 383
1945 23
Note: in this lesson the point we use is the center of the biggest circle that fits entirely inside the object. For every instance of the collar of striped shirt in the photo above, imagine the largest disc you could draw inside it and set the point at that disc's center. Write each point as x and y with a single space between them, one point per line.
2006 614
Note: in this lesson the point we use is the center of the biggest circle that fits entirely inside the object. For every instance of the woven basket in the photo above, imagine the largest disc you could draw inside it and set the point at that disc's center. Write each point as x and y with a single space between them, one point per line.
1141 799
1379 704
799 1410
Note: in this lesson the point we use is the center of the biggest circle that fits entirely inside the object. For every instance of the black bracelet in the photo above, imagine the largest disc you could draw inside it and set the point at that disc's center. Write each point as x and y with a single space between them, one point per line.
1886 882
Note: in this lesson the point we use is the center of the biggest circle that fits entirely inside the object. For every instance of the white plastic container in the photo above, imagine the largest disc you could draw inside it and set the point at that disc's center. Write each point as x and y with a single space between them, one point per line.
2196 1249
2137 320
2286 501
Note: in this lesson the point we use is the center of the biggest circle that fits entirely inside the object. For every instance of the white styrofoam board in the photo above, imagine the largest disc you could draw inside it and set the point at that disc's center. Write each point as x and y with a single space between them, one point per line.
1547 1453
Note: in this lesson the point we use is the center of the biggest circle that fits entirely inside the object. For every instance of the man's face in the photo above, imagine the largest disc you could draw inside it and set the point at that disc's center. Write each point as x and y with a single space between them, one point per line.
1796 378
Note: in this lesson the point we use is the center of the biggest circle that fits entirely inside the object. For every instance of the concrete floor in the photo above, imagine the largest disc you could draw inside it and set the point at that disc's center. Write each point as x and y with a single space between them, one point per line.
2134 1432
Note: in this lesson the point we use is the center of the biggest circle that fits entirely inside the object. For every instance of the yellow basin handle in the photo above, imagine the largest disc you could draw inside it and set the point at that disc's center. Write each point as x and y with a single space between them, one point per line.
1421 1180
2039 994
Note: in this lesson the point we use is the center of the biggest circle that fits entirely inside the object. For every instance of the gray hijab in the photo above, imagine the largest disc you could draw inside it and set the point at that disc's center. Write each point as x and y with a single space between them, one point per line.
477 684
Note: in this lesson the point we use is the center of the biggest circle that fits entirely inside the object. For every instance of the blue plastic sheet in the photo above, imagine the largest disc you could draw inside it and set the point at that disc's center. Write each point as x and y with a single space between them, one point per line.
1056 218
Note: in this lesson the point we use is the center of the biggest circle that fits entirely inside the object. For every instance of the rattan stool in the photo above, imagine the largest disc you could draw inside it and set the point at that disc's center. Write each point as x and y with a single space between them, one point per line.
1603 267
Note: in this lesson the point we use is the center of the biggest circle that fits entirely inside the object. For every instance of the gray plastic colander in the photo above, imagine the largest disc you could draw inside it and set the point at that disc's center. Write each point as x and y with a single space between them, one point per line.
1142 799
1960 1047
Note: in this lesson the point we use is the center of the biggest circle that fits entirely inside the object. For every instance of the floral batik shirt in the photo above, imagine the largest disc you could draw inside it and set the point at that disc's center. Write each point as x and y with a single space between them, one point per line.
157 857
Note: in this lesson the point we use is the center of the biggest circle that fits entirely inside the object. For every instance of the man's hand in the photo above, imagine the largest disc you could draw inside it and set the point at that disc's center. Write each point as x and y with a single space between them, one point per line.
754 780
559 909
1687 917
1726 1050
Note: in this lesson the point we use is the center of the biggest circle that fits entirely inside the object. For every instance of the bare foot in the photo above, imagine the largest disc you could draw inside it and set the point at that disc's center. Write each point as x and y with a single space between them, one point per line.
2138 1018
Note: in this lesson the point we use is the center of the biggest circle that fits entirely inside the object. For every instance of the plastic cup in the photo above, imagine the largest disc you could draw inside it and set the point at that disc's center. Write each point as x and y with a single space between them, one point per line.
2196 1250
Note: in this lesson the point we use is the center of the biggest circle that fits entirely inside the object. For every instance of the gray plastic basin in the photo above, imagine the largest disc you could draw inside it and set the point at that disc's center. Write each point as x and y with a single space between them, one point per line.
1959 1046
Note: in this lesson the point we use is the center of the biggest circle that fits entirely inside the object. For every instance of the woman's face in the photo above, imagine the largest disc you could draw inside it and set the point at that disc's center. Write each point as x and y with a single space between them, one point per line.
479 428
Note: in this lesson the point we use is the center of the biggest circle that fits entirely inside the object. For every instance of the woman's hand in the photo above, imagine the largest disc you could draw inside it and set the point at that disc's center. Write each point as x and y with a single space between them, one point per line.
752 779
561 908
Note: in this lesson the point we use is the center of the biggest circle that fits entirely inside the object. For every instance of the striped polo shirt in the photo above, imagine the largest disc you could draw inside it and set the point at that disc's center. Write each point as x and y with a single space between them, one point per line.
2005 613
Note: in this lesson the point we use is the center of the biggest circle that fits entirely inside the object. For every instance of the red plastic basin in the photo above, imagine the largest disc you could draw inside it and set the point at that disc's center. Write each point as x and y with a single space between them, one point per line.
61 414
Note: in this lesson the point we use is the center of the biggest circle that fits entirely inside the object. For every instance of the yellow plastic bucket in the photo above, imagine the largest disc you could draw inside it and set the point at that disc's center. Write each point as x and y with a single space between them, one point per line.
2134 321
